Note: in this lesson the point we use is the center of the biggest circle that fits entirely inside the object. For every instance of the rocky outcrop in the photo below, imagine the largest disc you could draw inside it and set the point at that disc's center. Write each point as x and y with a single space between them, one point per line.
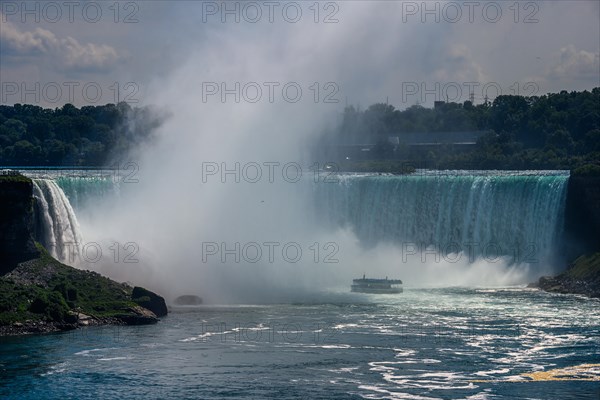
149 300
138 316
16 221
188 300
29 327
564 285
43 295
582 277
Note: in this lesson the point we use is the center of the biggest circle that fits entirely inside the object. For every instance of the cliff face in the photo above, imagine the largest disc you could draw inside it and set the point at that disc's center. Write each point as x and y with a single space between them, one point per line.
582 216
39 294
16 222
582 277
581 241
43 295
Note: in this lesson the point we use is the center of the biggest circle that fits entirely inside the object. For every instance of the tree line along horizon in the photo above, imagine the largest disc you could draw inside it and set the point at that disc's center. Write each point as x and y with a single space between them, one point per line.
90 136
553 131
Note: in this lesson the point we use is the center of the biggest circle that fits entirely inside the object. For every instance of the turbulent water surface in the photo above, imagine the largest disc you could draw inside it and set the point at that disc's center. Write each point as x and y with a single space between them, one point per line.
424 344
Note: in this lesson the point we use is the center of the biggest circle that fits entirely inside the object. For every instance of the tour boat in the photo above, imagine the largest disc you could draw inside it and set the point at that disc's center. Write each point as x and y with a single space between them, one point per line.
376 286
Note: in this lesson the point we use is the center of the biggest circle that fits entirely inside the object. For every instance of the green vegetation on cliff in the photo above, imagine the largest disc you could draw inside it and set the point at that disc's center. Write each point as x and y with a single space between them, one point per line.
47 291
587 171
582 277
14 178
585 267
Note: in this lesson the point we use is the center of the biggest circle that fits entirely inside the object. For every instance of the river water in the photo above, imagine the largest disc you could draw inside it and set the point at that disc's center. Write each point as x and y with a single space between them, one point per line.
452 343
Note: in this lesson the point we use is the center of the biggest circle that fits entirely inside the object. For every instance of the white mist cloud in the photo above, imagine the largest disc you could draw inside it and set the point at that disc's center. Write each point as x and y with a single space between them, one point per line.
576 63
171 212
66 54
458 65
175 211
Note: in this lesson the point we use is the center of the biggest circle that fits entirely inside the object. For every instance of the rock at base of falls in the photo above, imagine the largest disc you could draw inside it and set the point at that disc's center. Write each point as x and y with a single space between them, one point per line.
188 300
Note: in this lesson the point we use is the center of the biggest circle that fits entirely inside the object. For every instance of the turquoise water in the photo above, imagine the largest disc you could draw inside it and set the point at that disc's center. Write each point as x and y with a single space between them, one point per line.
454 343
82 186
511 211
519 214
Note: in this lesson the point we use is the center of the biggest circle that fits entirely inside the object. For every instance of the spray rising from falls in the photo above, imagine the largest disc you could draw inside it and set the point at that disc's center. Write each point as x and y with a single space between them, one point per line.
518 214
508 223
499 213
58 227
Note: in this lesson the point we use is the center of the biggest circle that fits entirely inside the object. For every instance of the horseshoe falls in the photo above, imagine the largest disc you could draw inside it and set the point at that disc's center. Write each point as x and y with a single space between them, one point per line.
517 215
499 213
83 190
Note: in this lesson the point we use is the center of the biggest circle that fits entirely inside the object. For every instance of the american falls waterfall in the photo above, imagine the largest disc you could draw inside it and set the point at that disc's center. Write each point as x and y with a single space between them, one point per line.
514 214
58 227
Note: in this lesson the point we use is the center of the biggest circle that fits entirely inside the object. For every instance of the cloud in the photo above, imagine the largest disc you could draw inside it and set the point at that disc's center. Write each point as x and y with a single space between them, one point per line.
370 53
575 64
66 54
458 65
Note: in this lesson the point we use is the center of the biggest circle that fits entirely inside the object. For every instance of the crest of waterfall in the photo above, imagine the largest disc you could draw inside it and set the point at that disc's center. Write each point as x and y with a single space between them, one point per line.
515 214
59 229
82 189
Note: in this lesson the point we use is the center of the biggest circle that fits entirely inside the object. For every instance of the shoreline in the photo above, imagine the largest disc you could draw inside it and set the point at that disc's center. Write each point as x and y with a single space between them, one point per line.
42 295
582 277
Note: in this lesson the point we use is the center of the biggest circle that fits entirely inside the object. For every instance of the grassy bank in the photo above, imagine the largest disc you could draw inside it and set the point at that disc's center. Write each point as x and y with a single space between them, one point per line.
48 295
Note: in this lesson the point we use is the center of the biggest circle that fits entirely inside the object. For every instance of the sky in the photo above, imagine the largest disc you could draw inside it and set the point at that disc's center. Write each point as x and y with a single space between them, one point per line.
333 53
